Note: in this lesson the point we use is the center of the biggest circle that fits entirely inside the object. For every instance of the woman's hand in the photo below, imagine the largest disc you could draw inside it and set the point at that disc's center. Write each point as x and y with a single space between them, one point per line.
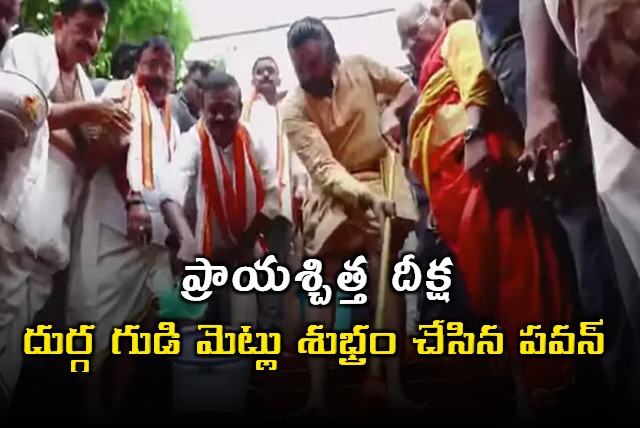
477 159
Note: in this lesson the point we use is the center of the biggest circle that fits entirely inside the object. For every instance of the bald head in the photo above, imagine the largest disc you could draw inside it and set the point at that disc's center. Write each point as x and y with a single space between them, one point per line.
411 9
451 10
419 23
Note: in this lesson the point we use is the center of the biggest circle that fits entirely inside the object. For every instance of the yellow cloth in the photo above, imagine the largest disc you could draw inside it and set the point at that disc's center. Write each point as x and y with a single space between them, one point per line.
432 124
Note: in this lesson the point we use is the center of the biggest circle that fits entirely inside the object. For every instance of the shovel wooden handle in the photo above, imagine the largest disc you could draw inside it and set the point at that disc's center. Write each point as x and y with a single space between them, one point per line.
389 180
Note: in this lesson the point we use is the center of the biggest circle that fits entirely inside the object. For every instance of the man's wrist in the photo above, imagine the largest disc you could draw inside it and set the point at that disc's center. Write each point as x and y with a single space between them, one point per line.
541 98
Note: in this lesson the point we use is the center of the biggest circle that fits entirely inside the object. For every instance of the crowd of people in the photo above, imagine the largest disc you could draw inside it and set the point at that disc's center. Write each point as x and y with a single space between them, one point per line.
517 143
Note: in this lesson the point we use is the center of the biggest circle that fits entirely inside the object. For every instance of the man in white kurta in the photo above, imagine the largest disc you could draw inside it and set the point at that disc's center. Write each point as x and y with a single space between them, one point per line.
39 188
227 222
261 112
113 277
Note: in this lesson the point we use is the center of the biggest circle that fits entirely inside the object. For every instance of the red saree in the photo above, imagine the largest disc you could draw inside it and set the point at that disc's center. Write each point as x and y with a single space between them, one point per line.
506 253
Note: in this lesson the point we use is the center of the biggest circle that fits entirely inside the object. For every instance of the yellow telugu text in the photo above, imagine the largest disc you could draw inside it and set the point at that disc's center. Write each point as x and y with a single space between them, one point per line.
352 348
450 338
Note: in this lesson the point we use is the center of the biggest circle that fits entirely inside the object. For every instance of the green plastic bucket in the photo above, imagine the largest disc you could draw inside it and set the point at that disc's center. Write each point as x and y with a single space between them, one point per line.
343 312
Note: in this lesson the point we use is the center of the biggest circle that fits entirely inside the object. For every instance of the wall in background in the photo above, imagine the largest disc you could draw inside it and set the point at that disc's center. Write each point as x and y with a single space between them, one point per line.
374 36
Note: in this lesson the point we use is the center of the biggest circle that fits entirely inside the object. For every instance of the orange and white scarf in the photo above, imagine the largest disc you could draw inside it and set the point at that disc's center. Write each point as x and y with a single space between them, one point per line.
282 163
230 203
120 167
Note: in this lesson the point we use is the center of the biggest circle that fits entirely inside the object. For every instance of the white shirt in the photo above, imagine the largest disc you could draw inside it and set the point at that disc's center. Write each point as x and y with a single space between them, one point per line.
183 179
264 121
113 210
39 189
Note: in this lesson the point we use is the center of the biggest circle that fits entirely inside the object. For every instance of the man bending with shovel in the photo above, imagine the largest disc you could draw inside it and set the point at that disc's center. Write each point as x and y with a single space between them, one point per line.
333 123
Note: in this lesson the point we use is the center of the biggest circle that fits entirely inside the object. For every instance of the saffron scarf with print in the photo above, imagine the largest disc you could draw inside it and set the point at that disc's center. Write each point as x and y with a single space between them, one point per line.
120 166
232 202
282 155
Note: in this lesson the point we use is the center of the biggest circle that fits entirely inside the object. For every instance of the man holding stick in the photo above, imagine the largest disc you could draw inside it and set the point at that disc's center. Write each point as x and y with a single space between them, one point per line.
333 123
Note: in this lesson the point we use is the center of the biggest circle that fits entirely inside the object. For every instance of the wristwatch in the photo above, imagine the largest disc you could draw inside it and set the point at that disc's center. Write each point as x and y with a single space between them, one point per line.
133 198
471 132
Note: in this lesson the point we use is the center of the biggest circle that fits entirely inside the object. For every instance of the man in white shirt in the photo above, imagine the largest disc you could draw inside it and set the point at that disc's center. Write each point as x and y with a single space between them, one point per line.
40 183
262 113
214 162
120 260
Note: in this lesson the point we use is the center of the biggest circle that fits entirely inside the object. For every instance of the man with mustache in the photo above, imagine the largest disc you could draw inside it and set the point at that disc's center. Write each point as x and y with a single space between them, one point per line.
120 258
333 123
41 180
222 166
262 113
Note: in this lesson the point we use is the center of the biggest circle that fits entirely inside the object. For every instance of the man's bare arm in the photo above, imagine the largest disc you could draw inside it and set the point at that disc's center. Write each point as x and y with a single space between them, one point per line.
545 141
538 34
404 102
176 220
67 115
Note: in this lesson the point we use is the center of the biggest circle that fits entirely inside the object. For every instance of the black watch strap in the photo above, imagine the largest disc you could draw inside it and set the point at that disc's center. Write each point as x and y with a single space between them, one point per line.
135 200
471 132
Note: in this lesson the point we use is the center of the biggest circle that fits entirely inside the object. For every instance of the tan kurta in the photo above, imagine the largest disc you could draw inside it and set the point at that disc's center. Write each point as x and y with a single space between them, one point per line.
339 142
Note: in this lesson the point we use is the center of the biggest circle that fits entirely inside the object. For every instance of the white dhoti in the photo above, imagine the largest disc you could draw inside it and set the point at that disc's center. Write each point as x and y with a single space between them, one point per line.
112 281
617 171
43 227
25 286
38 193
